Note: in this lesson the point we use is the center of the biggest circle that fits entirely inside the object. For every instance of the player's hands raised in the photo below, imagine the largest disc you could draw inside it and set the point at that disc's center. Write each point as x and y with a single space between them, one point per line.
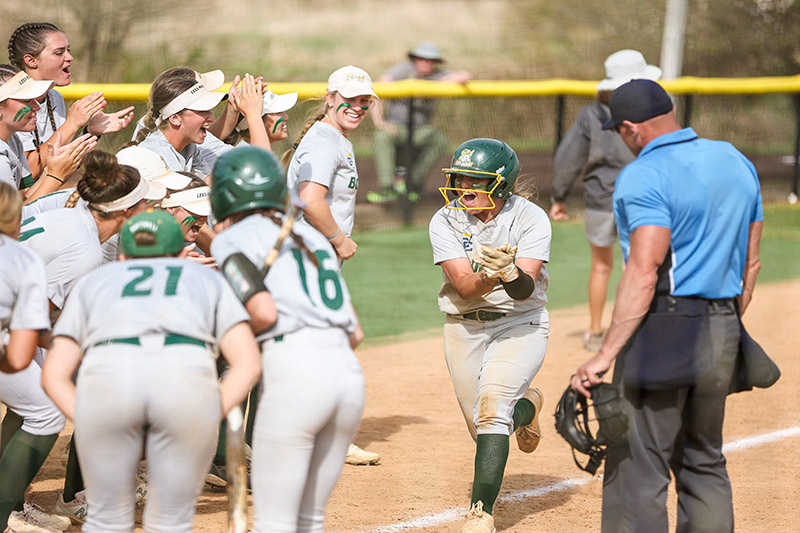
80 112
251 98
102 123
64 160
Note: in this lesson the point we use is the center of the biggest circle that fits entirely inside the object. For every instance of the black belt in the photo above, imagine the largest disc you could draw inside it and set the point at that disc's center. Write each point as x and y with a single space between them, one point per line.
169 338
483 316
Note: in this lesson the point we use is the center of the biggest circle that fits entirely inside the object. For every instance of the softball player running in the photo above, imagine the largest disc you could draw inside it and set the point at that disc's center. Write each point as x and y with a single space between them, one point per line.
42 51
492 245
23 316
312 394
148 381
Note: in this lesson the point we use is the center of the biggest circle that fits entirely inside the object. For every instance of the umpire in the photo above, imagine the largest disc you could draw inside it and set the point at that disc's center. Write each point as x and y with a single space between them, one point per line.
689 216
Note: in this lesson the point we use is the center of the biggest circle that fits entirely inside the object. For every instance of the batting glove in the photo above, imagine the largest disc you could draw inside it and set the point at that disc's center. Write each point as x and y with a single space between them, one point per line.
498 263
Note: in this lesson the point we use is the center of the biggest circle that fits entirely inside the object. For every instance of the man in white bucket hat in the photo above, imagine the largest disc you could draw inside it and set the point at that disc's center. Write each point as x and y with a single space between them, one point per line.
598 156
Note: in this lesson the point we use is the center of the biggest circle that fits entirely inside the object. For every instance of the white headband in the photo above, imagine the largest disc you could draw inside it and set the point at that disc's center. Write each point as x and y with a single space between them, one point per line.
124 202
197 97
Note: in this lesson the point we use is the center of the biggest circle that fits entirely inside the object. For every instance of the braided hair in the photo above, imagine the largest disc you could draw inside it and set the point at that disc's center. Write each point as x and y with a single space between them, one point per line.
30 39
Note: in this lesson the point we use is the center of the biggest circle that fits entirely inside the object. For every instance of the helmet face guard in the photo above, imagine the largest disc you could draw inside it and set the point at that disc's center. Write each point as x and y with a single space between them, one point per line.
450 192
483 159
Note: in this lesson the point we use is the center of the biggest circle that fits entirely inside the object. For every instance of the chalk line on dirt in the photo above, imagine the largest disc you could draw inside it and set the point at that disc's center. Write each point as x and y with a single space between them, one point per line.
451 515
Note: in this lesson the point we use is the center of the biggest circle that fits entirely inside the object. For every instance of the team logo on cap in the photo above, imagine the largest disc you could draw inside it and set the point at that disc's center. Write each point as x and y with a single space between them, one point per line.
143 225
356 76
465 159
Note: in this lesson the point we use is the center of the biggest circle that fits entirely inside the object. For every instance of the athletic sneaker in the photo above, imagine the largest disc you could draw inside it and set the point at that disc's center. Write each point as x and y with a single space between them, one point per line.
217 477
141 485
528 437
358 457
593 341
19 522
76 510
478 521
55 521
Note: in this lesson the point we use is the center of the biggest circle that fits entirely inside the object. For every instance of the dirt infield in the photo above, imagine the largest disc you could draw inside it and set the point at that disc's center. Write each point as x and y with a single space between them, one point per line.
412 419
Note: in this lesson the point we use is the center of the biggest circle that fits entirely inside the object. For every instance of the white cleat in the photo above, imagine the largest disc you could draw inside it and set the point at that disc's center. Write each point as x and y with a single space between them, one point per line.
358 457
61 523
478 521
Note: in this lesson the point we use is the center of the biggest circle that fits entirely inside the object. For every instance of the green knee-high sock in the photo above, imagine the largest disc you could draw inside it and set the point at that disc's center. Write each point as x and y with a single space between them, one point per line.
490 463
11 424
73 480
251 416
20 462
523 413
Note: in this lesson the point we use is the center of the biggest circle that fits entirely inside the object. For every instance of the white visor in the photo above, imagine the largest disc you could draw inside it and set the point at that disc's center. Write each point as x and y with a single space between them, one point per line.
23 87
212 80
273 103
196 201
152 167
146 190
196 98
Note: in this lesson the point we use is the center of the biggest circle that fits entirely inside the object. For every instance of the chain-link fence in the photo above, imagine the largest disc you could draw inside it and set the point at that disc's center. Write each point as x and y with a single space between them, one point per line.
763 124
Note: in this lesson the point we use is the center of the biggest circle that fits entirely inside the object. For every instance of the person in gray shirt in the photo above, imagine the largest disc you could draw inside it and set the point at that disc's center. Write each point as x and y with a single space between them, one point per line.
391 128
598 156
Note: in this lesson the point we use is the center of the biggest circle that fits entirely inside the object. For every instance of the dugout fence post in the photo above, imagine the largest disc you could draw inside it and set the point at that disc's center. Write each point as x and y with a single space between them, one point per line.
560 110
688 100
407 164
796 174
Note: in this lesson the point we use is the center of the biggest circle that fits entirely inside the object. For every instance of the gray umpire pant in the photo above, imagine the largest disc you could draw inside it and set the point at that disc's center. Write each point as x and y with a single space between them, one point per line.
678 430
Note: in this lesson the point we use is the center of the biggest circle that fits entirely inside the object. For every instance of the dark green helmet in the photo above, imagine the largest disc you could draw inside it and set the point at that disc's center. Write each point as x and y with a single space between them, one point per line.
486 158
247 178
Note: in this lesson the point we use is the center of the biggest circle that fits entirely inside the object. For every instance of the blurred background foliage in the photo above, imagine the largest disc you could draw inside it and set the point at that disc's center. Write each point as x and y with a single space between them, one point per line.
126 41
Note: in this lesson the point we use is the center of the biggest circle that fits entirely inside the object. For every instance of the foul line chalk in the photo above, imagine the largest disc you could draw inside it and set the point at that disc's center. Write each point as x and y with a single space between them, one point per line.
451 515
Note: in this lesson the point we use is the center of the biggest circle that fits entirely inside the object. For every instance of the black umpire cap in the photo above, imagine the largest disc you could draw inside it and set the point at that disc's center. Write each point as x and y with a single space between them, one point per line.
637 101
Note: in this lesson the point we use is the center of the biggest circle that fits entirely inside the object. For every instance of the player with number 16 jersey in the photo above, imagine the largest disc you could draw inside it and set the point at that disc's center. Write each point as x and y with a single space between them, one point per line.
312 393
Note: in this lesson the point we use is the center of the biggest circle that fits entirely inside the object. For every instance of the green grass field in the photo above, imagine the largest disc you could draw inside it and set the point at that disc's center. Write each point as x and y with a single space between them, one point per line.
394 283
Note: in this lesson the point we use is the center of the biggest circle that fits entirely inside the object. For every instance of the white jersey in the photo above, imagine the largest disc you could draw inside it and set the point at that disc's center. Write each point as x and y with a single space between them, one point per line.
211 149
14 167
48 202
454 234
43 125
189 159
150 296
23 298
325 156
57 200
68 242
304 296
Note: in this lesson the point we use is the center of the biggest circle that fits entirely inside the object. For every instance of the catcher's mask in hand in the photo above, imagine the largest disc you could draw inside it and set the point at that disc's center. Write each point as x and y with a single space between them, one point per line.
573 419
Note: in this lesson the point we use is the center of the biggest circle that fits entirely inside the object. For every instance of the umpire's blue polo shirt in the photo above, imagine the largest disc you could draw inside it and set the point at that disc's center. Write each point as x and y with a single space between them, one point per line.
707 193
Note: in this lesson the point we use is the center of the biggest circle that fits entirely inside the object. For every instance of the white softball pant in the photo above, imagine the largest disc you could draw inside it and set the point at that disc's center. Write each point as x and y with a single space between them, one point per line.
492 364
164 401
312 396
22 392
